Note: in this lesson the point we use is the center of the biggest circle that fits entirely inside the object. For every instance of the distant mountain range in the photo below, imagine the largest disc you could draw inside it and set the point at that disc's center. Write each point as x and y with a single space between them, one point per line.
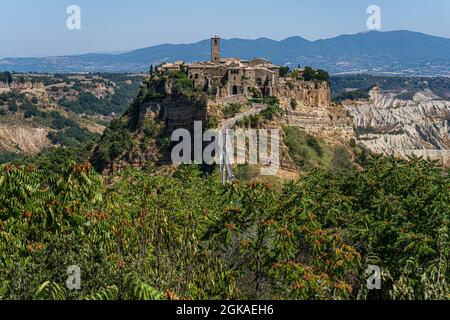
394 52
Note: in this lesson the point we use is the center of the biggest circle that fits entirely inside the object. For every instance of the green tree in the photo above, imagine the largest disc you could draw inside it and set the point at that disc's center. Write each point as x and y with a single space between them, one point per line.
284 71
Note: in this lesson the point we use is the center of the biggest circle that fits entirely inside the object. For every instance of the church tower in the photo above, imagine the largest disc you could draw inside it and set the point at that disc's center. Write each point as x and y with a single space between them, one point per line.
215 49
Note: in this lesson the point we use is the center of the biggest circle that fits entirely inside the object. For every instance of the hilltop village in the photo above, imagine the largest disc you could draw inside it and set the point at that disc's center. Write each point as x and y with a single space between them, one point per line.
247 93
230 77
230 82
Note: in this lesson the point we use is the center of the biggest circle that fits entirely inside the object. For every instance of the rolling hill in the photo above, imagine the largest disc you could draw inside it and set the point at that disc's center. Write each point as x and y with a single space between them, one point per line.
394 52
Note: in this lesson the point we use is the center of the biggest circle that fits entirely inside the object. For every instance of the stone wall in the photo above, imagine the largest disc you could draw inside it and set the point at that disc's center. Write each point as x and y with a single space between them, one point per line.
176 112
306 94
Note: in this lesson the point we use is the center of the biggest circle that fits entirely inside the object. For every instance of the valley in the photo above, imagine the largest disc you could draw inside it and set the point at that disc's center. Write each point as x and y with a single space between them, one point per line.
40 111
146 229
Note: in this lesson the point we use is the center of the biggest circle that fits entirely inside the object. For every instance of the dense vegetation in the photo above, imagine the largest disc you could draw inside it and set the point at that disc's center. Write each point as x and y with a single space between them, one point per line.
115 140
6 77
65 130
309 152
310 74
231 110
307 74
185 235
353 95
125 90
6 157
273 111
74 95
77 95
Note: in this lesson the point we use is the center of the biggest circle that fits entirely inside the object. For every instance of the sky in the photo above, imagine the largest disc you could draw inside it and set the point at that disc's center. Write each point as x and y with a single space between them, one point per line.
38 27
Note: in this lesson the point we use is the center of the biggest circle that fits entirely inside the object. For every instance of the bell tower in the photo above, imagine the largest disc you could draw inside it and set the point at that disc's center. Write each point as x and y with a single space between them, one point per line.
215 49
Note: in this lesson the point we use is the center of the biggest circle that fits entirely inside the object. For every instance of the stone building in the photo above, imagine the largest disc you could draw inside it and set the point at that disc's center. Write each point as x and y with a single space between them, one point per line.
231 76
215 49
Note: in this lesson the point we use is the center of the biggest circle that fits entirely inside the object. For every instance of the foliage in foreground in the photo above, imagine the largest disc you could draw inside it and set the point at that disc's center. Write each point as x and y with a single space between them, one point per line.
186 236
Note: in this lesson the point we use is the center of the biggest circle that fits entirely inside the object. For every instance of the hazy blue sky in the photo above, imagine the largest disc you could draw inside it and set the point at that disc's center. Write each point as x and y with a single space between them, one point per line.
38 27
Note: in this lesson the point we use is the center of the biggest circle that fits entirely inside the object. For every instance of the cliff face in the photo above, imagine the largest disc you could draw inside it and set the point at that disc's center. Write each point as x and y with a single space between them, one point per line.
175 111
388 125
310 94
23 86
23 139
307 106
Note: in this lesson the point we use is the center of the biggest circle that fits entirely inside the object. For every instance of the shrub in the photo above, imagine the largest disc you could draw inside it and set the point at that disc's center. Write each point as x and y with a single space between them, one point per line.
115 141
284 71
306 151
190 237
231 110
294 104
310 74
